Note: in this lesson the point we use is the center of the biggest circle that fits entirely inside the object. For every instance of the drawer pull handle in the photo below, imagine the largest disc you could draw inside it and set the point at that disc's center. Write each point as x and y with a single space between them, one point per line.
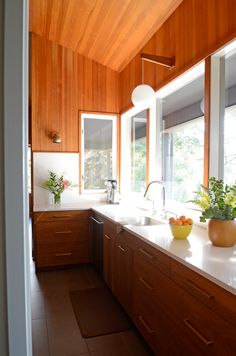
121 248
96 221
146 284
147 327
197 333
63 232
145 253
63 254
107 237
209 296
61 216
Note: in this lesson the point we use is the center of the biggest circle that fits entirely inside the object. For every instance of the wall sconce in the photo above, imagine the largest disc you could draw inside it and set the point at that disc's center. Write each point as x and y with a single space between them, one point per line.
144 93
55 136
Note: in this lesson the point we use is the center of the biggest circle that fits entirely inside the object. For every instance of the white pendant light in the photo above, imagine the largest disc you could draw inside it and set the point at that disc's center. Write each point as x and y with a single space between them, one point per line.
143 93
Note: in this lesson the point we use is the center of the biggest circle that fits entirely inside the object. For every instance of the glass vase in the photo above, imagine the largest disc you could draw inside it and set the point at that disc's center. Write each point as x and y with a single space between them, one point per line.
57 199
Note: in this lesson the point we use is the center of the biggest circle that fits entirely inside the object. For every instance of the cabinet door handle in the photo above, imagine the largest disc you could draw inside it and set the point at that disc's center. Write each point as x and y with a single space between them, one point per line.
61 216
107 237
121 248
142 280
145 253
147 327
96 221
194 286
197 333
63 232
63 254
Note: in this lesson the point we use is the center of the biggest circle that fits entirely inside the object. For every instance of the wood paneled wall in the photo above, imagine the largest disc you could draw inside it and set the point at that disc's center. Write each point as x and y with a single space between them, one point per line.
195 30
62 83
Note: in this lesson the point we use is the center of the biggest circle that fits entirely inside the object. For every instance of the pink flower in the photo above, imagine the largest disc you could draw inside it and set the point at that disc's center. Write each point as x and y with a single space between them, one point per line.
66 183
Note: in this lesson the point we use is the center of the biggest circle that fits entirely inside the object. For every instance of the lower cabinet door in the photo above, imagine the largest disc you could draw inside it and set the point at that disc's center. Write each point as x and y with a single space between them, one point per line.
62 254
152 323
122 286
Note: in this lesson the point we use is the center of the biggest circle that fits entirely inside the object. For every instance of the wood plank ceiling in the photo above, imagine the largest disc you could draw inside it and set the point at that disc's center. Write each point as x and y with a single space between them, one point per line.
110 32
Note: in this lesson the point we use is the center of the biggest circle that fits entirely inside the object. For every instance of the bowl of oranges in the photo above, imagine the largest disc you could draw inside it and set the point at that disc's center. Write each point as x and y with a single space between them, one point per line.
180 227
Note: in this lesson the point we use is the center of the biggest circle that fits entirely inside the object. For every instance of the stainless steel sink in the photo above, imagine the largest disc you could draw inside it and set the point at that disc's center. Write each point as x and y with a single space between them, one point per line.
138 221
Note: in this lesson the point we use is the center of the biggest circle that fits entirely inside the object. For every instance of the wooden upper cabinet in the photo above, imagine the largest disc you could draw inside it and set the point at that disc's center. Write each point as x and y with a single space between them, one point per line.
62 83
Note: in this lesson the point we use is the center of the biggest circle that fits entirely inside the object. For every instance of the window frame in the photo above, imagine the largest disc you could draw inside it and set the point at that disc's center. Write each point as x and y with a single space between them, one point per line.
97 116
126 129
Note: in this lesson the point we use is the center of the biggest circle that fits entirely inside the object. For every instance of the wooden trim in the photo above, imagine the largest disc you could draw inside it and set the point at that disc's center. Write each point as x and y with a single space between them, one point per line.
118 154
80 146
147 145
164 61
207 105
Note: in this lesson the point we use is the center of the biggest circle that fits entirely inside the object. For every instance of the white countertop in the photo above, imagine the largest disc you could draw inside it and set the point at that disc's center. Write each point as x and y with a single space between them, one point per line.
81 204
218 264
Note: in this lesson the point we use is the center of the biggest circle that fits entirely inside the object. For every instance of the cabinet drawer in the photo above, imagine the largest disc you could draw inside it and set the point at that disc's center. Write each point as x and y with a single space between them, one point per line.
205 330
61 215
62 254
152 323
154 286
216 298
153 256
62 231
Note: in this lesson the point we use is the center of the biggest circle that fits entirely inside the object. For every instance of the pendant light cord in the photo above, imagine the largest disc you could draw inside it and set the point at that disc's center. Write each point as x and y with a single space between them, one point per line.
142 70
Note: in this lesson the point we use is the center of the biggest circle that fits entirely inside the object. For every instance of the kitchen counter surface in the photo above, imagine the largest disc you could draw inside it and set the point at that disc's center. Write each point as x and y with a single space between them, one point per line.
218 264
81 204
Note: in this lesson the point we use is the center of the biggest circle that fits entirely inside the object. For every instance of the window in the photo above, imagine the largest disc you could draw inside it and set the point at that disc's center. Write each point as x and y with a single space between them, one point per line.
134 151
138 152
98 150
183 140
230 118
183 160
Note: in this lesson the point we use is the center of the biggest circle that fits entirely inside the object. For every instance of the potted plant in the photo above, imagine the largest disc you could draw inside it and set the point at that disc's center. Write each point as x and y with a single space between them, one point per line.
218 203
56 185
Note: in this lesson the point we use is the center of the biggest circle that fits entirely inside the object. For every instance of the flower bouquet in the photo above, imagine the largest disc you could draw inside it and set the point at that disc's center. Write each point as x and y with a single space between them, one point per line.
217 201
56 185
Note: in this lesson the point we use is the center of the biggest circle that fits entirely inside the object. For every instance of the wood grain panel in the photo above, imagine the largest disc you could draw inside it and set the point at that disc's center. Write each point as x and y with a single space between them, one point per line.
63 82
195 30
109 32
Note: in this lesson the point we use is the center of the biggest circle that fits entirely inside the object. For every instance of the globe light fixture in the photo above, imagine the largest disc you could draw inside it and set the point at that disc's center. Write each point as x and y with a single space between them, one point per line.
143 94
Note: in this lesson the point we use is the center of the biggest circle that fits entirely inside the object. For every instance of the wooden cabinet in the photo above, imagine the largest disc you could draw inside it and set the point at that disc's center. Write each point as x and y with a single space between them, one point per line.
123 266
178 311
149 311
206 325
61 238
109 236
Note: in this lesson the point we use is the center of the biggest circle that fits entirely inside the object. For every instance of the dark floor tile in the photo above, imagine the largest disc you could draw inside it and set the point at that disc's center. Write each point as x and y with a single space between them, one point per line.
40 338
64 337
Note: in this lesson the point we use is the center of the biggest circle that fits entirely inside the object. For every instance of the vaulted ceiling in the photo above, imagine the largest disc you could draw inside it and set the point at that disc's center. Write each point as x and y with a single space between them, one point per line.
110 32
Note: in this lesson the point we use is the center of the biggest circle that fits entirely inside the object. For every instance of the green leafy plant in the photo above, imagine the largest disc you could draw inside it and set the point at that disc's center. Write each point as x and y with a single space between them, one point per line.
217 201
56 185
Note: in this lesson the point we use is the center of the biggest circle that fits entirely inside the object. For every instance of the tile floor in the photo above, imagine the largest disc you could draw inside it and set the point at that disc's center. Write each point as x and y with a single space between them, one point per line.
54 327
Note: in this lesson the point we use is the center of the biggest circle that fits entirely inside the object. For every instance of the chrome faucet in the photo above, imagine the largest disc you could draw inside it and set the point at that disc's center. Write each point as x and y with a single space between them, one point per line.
163 214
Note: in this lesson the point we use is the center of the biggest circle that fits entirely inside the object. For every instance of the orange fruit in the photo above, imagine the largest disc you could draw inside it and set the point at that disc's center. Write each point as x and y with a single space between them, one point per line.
190 221
183 218
171 220
178 222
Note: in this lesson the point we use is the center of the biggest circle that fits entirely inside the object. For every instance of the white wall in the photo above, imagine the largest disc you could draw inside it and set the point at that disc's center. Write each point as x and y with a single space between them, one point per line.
59 163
